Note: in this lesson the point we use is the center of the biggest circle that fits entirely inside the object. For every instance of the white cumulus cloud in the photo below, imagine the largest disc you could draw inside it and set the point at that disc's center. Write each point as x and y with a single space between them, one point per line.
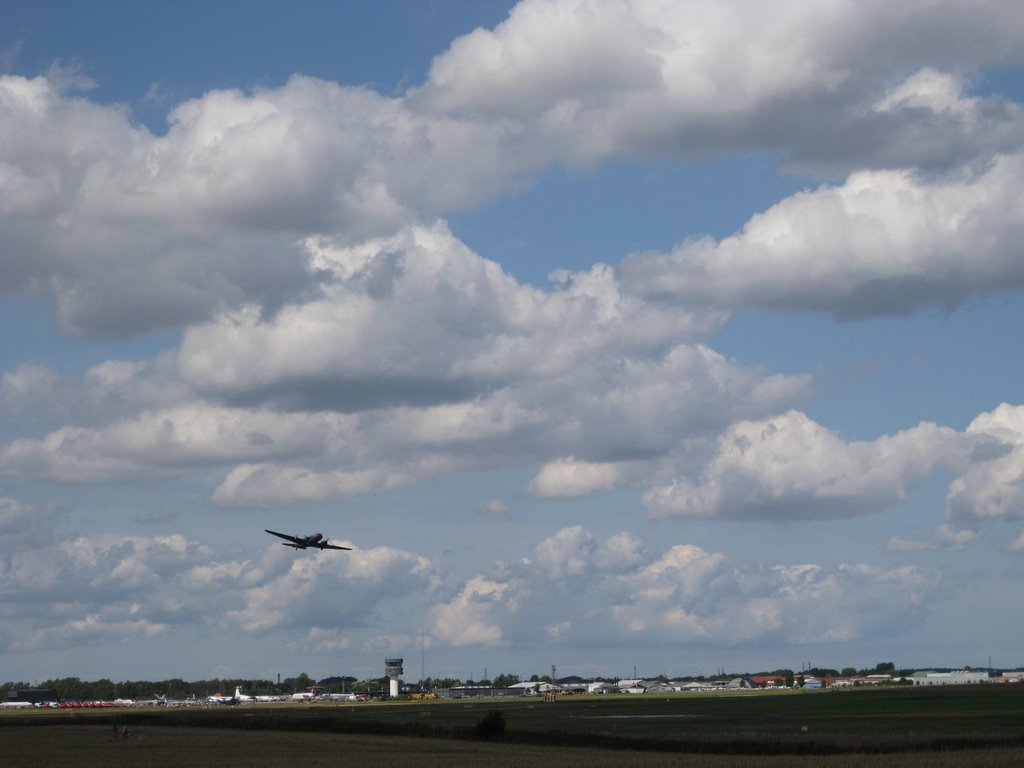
678 594
883 242
789 467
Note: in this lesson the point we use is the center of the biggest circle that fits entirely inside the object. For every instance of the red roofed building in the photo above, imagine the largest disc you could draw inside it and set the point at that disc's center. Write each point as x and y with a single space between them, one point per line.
768 681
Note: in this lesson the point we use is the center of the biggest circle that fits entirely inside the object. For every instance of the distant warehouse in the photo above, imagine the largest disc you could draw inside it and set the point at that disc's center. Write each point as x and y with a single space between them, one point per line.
961 677
33 695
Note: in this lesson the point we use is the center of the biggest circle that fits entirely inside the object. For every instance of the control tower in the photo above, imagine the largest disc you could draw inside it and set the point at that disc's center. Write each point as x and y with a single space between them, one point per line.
393 669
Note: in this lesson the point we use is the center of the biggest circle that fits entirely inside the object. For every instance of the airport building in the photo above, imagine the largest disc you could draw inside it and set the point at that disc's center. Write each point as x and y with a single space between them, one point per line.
960 677
33 695
394 671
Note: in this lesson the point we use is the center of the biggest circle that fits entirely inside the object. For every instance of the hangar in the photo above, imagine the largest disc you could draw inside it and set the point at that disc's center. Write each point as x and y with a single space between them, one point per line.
960 677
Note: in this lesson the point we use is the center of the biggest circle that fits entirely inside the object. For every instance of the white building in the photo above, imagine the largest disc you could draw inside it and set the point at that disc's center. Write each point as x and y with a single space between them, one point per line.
960 677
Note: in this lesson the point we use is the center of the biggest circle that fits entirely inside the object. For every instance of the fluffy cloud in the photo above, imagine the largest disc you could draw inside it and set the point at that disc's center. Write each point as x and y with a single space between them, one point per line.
129 230
24 525
28 384
419 358
884 242
464 620
36 396
568 477
155 443
789 467
993 486
330 593
680 595
418 317
102 587
571 589
813 81
74 592
107 626
943 537
495 508
338 339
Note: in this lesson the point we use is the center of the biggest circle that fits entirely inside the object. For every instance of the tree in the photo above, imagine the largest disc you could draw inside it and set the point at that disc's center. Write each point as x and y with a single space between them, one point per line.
506 680
103 690
885 668
336 684
299 684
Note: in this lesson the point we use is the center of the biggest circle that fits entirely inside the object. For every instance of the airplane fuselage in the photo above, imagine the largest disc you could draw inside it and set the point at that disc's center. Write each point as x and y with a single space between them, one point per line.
315 540
307 541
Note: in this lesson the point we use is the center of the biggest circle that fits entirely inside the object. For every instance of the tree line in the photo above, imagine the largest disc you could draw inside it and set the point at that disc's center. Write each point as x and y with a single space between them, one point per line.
75 689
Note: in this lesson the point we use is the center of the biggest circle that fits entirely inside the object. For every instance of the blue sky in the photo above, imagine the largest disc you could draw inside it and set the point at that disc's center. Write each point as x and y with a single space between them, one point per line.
609 334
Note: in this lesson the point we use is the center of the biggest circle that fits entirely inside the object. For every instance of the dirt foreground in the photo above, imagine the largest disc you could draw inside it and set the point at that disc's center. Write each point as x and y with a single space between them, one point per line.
84 746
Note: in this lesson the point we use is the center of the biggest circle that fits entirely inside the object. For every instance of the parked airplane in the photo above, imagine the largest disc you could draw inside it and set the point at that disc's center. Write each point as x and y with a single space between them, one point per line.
236 699
302 542
342 697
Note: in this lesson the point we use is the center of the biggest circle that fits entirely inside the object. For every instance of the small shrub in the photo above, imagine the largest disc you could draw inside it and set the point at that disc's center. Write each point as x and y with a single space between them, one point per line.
491 725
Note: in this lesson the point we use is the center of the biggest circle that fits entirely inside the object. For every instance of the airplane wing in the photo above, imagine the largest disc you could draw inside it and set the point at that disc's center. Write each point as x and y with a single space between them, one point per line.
293 539
325 545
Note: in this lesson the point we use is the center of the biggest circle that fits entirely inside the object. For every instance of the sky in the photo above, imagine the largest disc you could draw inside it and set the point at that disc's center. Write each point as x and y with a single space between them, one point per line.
620 337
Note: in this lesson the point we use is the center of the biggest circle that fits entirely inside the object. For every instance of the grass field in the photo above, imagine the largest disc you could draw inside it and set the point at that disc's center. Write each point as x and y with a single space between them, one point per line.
971 726
59 746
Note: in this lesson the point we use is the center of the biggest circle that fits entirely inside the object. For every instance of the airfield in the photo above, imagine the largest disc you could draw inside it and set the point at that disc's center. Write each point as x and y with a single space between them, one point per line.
979 725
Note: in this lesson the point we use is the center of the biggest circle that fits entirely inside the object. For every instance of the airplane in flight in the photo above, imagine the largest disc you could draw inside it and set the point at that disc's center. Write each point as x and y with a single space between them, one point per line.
316 540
